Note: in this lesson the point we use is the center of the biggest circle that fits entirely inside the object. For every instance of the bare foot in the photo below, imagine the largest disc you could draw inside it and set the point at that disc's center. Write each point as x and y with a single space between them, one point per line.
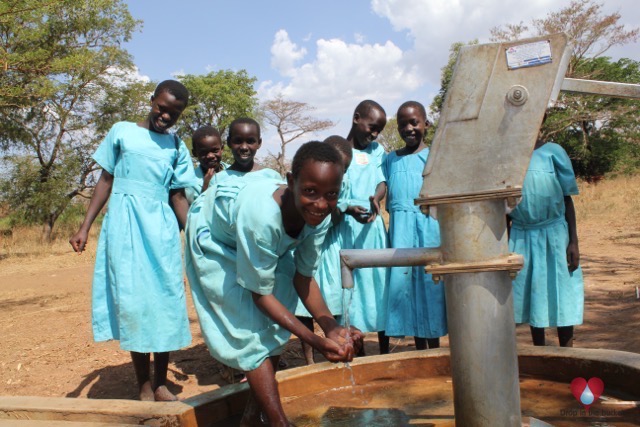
146 392
163 394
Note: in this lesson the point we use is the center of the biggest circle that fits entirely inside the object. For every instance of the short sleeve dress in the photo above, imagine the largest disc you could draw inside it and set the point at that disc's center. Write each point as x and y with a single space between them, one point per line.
416 305
194 191
138 290
236 245
368 303
544 292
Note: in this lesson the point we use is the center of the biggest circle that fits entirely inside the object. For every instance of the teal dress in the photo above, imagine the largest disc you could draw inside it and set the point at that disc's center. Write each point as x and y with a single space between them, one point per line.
194 191
328 275
544 292
236 245
233 174
416 305
368 303
138 290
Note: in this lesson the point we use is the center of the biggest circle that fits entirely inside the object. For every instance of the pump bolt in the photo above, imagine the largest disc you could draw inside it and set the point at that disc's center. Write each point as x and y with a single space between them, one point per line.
517 95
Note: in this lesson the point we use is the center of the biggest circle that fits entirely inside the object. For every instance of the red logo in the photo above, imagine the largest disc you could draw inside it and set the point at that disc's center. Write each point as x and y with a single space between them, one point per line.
587 392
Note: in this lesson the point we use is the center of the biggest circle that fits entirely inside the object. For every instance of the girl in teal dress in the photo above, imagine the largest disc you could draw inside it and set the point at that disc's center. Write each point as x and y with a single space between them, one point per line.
362 226
238 235
549 290
208 149
138 290
416 305
328 274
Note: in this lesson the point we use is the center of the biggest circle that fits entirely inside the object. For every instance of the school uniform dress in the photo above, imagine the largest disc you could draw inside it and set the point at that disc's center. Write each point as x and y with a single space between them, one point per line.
416 305
544 292
233 174
368 303
194 191
328 275
138 290
236 244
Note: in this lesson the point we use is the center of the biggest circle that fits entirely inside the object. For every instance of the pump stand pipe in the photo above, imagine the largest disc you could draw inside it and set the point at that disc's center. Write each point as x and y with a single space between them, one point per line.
350 259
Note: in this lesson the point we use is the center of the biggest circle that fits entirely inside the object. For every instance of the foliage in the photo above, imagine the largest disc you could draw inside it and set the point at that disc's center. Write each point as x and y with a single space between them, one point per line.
389 138
291 120
216 99
60 100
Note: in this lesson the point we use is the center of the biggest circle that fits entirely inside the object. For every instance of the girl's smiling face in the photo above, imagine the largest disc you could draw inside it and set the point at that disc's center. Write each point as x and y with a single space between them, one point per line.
368 127
411 126
244 141
208 151
165 111
316 189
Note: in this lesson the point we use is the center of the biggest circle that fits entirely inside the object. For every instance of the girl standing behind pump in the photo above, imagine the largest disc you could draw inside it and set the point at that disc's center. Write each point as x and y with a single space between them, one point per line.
416 305
362 226
549 290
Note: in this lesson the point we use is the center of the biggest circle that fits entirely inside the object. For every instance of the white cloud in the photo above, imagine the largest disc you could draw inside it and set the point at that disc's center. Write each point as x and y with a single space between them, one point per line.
342 74
359 38
285 53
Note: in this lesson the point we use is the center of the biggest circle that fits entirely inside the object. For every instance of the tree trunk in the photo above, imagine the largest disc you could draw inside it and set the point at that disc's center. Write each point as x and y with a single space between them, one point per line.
49 222
47 229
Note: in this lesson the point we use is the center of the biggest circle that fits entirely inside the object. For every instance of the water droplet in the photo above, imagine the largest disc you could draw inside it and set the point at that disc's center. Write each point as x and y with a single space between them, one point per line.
587 397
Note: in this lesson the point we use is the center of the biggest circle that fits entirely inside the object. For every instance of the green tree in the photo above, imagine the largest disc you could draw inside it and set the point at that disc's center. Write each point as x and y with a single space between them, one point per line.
389 138
216 99
26 56
591 128
77 84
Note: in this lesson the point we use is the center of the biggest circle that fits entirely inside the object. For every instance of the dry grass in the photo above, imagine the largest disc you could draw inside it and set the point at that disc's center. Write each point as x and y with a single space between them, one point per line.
613 201
23 246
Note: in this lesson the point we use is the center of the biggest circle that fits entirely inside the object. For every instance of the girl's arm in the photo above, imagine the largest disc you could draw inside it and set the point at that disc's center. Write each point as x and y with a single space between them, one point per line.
381 190
100 196
573 252
180 205
273 308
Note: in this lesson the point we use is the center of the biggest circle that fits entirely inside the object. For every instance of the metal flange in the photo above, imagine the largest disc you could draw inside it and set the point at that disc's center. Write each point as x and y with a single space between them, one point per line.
511 263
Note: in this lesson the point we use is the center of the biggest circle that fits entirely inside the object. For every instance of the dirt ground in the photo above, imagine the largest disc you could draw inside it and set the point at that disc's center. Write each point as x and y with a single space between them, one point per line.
47 349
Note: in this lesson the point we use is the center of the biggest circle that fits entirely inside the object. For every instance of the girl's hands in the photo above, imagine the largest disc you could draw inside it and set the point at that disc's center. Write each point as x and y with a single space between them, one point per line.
375 208
206 179
341 345
360 214
79 240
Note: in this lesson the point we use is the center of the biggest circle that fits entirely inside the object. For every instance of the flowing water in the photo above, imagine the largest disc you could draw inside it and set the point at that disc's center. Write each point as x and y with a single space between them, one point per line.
429 402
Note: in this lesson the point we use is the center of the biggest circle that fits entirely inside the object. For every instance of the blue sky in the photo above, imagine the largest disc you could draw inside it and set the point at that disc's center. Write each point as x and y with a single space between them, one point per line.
330 54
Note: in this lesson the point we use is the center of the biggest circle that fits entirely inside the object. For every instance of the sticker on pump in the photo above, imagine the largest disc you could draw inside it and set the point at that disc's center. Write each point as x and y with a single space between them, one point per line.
529 54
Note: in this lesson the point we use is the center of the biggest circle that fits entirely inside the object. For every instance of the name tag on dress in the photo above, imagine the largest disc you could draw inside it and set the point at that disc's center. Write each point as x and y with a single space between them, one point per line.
362 158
